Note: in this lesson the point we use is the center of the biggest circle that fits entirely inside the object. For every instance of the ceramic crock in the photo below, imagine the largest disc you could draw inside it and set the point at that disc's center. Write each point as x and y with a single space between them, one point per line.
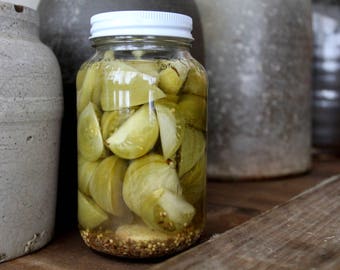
30 116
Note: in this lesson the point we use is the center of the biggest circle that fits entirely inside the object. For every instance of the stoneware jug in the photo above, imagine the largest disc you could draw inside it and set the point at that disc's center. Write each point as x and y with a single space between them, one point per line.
65 28
30 117
258 57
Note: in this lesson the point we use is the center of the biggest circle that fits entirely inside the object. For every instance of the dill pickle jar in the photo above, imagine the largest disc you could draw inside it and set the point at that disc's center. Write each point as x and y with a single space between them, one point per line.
141 131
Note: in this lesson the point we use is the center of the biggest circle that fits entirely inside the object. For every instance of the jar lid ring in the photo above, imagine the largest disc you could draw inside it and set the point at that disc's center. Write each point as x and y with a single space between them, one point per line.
141 23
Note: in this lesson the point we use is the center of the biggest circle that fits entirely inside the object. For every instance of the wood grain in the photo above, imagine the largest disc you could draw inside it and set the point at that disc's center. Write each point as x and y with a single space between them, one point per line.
303 233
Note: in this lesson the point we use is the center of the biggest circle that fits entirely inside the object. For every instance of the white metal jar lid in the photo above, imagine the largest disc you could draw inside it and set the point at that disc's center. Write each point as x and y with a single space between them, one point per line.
141 23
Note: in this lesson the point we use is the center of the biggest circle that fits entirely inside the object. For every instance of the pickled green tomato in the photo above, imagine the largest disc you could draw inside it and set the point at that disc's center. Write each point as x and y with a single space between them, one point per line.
150 158
125 86
171 126
90 86
140 176
173 75
150 68
192 149
193 109
136 136
141 144
85 173
170 81
90 140
193 182
106 185
167 211
89 214
110 121
196 82
158 202
140 232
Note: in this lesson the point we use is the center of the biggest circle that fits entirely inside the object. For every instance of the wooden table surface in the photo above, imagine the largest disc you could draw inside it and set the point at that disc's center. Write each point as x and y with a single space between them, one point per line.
229 205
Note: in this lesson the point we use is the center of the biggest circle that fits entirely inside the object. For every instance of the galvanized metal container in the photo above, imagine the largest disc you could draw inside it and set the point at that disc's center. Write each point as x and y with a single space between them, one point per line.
326 76
258 57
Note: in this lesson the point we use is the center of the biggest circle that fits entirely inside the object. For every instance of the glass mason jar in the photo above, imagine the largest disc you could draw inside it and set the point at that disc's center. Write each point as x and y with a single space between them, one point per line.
141 110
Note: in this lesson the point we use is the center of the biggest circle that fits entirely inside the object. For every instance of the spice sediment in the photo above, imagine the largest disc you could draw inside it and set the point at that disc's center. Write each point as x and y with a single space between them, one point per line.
107 242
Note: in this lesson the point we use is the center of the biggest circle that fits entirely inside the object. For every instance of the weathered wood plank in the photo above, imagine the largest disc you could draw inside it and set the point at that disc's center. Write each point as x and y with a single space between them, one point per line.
303 233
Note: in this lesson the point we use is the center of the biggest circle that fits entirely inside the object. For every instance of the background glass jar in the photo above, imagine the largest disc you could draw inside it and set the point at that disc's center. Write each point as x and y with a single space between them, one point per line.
141 109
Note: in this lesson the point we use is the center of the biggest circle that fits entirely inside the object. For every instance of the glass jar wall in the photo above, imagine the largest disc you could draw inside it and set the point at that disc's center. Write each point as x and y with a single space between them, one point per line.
141 110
